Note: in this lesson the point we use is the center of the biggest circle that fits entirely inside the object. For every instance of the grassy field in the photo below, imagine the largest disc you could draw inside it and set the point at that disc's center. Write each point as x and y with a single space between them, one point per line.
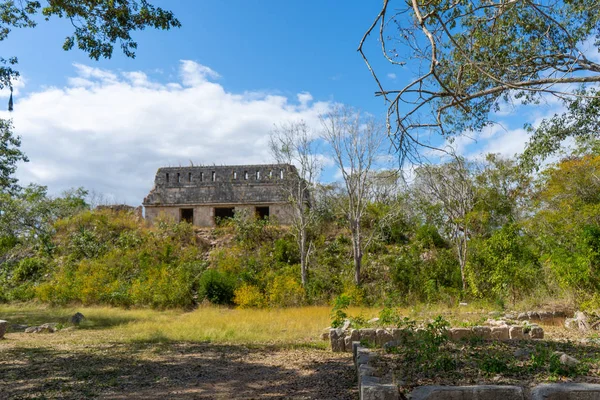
208 353
282 327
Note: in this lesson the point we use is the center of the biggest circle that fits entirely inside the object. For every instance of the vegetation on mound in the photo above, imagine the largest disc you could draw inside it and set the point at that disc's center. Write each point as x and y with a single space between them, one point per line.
528 239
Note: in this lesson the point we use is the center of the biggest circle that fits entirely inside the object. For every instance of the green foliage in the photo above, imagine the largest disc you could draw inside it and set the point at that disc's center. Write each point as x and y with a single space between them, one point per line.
216 287
338 312
10 154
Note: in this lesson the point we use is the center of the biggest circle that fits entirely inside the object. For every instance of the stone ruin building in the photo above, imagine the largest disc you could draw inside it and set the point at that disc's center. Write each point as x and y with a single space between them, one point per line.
205 195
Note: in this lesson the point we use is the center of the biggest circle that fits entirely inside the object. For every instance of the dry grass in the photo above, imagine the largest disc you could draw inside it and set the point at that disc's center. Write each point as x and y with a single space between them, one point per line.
290 327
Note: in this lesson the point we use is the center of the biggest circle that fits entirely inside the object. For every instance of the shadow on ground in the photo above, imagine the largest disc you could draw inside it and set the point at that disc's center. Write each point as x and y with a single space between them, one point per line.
174 370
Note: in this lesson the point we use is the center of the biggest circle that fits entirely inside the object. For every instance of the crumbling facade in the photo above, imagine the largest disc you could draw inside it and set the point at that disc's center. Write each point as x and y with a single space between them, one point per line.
206 195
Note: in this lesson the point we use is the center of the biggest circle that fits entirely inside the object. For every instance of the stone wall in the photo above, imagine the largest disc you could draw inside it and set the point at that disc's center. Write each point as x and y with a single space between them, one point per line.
204 214
240 184
374 384
341 340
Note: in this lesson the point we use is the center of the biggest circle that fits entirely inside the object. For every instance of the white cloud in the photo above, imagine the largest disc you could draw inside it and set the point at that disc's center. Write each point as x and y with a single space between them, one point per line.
109 132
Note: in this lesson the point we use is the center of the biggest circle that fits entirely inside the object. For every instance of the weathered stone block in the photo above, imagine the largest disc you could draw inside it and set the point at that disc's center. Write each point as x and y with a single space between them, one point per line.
523 316
354 335
368 335
566 391
536 333
482 392
500 332
382 337
460 333
347 344
375 391
3 327
336 338
484 332
516 333
400 335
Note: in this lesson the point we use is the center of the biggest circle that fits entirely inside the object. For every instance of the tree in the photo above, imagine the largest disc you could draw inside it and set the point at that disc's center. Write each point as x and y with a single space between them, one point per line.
98 25
10 155
471 57
356 144
293 143
451 185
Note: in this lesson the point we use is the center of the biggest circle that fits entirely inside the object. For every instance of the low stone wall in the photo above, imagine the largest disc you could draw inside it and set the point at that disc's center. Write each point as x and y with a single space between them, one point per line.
374 385
341 340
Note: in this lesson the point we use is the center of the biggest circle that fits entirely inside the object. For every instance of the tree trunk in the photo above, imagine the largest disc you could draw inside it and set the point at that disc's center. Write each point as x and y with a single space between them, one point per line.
303 251
356 251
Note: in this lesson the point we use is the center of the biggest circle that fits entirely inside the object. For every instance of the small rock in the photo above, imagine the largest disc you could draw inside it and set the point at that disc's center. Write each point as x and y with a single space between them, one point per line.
568 361
3 327
78 317
45 328
522 354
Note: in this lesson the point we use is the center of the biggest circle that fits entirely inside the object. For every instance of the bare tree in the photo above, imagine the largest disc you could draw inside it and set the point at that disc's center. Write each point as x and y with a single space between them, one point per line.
464 59
356 143
452 186
294 143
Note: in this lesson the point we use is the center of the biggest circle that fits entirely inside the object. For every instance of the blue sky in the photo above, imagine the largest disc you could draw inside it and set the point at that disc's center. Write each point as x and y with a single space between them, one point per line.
283 47
206 93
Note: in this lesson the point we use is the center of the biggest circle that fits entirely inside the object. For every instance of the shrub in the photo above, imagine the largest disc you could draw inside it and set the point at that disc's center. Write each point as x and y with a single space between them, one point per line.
216 287
249 296
286 291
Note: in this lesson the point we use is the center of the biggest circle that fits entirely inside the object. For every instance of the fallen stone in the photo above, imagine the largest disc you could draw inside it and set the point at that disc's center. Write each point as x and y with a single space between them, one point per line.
522 354
566 391
3 328
481 392
77 318
45 328
568 361
516 333
500 332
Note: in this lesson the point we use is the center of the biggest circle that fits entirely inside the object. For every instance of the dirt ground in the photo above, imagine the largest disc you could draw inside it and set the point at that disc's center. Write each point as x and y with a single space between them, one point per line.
173 370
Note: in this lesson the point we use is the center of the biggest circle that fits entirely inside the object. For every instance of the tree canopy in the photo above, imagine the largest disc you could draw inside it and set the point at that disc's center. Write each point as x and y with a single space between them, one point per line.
98 25
471 57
